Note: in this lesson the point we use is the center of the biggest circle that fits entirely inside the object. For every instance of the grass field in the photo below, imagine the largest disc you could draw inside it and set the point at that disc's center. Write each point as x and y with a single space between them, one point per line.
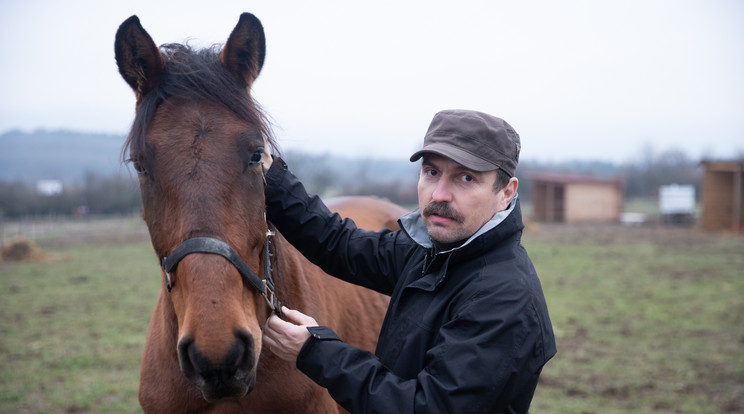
648 320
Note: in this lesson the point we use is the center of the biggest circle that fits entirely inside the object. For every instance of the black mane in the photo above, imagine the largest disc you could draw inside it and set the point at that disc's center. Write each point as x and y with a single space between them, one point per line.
198 75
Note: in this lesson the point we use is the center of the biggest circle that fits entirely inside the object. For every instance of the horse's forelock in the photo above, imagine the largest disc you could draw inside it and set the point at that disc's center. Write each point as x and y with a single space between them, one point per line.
199 75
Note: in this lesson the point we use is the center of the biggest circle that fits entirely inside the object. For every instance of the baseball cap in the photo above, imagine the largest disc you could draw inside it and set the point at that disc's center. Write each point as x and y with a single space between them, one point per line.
476 140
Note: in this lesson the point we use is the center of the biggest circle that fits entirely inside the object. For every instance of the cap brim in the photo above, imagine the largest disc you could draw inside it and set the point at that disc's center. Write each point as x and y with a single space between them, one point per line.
457 155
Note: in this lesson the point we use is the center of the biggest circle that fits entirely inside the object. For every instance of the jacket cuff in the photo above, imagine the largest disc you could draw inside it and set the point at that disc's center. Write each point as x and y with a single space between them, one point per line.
323 347
322 333
317 334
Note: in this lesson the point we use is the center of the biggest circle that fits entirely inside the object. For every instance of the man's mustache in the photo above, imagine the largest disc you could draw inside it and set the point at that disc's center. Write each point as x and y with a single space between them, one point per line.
444 210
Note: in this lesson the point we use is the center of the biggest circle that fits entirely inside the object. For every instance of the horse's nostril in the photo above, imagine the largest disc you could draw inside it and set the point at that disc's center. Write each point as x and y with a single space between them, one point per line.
191 361
183 351
242 355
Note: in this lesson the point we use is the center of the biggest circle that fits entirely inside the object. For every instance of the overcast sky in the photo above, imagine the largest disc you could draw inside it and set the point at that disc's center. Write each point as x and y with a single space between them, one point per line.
577 79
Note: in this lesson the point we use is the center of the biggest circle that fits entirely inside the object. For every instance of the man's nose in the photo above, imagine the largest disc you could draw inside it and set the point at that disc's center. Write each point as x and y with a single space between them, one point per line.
442 191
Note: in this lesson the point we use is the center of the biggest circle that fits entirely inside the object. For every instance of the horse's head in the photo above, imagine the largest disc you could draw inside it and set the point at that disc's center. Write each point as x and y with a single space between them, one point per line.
196 144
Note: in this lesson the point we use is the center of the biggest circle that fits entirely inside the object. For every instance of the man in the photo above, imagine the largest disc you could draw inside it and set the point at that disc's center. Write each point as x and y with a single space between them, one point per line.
467 329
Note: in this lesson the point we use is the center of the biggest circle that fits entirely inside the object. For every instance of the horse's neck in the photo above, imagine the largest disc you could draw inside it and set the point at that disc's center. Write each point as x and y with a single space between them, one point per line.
288 272
300 284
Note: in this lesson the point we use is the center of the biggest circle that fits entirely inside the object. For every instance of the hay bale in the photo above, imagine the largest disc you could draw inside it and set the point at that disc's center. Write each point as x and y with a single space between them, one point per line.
22 250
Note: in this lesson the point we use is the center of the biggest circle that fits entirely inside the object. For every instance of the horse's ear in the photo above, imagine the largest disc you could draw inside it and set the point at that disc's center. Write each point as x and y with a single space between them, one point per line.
139 60
245 50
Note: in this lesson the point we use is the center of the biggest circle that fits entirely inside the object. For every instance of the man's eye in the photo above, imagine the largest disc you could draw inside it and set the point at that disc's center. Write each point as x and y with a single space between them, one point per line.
468 178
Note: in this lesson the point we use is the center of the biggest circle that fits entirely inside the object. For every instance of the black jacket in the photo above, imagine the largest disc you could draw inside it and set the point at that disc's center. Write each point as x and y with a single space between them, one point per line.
466 331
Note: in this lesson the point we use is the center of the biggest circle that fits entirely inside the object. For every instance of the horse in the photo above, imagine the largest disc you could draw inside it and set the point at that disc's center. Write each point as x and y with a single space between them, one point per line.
195 144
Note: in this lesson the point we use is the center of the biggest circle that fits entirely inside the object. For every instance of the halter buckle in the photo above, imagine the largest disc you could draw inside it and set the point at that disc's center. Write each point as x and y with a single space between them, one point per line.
168 284
271 299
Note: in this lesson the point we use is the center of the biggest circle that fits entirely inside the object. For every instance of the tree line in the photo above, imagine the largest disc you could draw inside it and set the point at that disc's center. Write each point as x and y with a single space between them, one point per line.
329 176
97 194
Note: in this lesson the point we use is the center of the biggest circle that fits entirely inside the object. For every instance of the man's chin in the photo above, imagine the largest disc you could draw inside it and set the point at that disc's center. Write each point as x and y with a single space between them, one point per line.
442 235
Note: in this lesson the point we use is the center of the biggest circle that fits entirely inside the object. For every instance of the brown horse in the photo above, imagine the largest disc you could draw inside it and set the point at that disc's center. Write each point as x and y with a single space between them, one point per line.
195 143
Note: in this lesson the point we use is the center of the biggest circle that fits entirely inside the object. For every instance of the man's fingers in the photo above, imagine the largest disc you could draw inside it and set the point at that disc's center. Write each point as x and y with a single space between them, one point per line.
280 332
275 323
284 339
292 315
297 317
268 342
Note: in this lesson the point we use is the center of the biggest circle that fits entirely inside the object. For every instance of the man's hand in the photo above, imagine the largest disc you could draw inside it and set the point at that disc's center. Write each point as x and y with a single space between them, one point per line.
266 158
285 338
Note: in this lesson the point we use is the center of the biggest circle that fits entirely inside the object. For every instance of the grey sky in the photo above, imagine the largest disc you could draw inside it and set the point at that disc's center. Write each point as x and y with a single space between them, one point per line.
577 79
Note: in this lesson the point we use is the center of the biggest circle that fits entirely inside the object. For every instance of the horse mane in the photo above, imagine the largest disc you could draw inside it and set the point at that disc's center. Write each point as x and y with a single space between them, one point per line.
199 75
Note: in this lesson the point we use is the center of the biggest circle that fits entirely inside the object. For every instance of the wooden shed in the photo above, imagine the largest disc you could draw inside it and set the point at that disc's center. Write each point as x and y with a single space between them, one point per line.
723 189
576 199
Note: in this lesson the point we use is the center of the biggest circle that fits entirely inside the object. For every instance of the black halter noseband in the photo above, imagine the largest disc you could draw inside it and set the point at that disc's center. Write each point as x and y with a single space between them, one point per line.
215 246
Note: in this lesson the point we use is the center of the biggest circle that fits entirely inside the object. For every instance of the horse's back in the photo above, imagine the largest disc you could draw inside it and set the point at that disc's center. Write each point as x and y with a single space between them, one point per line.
369 213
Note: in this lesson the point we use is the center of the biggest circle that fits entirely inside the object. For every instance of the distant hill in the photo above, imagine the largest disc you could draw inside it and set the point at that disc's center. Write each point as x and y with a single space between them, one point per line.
61 155
68 156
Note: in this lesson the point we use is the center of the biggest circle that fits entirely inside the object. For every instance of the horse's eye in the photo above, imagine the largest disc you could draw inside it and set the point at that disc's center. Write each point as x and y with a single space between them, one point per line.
138 167
256 158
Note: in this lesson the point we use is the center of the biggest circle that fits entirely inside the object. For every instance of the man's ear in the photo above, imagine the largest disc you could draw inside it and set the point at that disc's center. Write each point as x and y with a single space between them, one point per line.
510 190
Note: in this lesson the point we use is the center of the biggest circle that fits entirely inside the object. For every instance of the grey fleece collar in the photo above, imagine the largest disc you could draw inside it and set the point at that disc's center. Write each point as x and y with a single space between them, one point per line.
413 224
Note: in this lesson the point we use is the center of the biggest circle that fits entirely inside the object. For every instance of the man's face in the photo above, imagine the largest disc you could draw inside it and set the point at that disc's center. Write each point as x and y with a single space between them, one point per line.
454 201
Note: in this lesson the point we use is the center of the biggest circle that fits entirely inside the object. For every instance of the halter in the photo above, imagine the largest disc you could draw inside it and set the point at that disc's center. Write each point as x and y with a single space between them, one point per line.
215 246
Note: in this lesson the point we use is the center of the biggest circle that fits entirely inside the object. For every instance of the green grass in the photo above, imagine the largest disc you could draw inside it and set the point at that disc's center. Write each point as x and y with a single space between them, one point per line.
643 326
72 329
648 320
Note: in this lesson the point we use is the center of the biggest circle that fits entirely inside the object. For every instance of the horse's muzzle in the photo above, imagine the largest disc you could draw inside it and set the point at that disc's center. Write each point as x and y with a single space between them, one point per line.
233 377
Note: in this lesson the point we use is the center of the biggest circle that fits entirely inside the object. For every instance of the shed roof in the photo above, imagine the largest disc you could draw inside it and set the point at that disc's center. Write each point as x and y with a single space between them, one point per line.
724 166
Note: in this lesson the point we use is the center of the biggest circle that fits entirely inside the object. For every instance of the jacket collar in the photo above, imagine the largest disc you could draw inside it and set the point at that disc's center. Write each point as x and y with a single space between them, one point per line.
413 224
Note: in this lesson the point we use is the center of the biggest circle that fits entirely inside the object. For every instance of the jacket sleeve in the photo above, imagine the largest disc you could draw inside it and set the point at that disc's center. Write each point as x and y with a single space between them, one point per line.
477 364
337 246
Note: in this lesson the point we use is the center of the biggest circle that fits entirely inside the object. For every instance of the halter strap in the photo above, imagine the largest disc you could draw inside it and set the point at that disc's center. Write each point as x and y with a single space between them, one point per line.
215 246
